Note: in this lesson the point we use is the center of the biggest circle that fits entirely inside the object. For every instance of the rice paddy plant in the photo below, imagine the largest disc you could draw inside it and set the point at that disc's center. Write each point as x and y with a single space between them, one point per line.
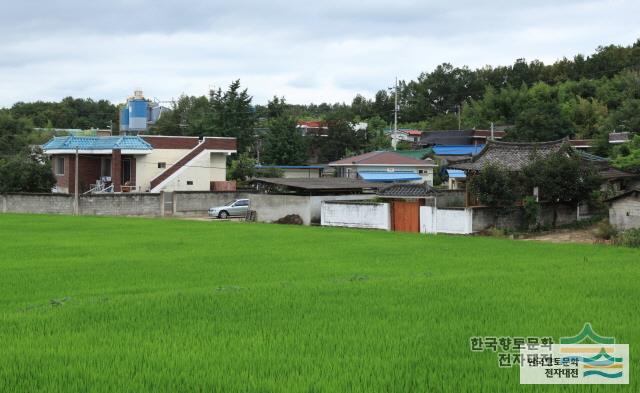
152 305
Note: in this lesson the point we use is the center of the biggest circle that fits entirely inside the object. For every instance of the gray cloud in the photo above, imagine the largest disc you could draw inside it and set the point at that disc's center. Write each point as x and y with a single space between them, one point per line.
306 51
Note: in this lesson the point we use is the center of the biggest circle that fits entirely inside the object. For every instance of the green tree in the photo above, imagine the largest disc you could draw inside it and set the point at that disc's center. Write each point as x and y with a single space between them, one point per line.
376 139
541 117
14 134
242 168
500 107
188 116
627 156
232 115
494 187
585 115
341 139
283 143
561 177
25 173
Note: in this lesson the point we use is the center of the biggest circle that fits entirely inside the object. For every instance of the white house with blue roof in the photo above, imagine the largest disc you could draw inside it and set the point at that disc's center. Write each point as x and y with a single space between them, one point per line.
146 163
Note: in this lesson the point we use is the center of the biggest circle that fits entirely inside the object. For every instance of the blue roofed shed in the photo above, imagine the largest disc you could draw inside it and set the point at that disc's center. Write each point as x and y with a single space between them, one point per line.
456 174
390 177
457 150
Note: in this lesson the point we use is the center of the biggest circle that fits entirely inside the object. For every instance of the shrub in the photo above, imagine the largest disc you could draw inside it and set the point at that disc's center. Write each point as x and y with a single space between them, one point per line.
605 231
269 172
628 238
531 212
496 232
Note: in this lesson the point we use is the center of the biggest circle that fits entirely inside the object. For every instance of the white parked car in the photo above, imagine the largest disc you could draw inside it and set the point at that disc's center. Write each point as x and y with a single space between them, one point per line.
237 208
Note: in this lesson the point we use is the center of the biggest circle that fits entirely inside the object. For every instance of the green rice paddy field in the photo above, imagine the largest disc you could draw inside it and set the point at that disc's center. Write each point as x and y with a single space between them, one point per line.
96 304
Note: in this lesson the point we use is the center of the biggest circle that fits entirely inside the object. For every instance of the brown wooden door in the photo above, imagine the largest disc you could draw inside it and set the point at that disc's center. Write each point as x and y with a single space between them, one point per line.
406 216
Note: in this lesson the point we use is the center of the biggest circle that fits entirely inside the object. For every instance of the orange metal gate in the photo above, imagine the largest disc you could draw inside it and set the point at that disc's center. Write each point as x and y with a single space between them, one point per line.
406 216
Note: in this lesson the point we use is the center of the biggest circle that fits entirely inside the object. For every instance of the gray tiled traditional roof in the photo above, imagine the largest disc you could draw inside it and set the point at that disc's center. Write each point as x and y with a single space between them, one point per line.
512 156
618 137
610 173
634 192
407 191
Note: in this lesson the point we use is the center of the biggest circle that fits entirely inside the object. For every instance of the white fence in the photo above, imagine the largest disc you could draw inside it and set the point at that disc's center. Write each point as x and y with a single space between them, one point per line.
458 221
356 215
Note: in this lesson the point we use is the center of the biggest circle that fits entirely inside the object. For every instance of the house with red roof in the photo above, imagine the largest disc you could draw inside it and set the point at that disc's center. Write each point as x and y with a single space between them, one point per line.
385 166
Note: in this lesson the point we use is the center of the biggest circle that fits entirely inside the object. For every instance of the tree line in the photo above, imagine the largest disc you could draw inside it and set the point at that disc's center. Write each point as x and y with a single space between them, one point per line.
582 97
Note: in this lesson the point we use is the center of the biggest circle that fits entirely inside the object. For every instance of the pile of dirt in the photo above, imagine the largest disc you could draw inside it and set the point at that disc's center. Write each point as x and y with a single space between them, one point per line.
292 219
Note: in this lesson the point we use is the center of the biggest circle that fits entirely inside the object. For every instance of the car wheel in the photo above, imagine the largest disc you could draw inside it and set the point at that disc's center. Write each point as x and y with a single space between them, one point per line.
223 214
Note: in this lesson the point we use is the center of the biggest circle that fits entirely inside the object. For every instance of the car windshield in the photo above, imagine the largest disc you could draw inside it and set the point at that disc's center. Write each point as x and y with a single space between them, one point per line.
230 203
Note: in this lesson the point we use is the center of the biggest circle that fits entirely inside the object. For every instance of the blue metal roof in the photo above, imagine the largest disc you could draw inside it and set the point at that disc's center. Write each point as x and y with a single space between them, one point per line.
97 143
389 176
290 166
457 150
456 174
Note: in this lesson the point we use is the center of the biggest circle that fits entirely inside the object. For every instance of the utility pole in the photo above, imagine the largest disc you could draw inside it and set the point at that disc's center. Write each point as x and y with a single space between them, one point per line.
395 109
394 136
459 119
491 130
258 146
76 204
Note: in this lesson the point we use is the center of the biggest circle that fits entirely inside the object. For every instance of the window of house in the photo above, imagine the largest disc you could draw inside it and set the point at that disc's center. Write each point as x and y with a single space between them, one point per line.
105 167
125 170
162 165
189 182
59 165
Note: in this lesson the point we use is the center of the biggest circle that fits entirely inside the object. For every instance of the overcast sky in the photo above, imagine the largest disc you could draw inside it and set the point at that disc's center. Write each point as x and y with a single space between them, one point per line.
307 51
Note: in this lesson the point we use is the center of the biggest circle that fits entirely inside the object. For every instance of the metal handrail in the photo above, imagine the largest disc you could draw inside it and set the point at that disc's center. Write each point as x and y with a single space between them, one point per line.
91 190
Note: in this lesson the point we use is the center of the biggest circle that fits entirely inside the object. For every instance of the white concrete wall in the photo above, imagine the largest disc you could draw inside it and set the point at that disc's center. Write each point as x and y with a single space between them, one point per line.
356 215
316 203
625 213
270 208
456 221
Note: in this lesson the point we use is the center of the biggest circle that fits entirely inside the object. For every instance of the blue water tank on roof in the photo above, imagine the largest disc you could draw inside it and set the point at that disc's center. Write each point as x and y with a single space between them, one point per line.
138 114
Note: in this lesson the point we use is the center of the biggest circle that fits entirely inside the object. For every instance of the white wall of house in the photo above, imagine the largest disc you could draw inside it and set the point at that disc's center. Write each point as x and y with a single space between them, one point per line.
205 168
147 165
198 174
624 213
